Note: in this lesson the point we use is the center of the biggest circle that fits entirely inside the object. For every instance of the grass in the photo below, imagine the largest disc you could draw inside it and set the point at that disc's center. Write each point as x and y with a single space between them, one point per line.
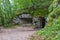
49 33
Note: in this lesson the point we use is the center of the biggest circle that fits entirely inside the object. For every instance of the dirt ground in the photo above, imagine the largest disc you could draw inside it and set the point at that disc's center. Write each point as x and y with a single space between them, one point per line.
19 33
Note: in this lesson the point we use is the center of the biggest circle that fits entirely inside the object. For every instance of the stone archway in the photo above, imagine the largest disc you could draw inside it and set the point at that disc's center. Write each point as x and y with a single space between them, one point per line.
23 19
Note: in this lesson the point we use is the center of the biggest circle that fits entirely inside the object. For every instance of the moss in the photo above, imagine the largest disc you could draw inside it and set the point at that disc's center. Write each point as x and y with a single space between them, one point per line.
52 29
51 6
50 33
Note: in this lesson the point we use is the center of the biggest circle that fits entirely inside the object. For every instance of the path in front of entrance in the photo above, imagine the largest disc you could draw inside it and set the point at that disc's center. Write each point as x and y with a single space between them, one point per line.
18 33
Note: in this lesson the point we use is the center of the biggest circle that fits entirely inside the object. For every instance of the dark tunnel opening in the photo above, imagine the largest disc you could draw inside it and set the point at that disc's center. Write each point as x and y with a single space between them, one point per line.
40 22
43 21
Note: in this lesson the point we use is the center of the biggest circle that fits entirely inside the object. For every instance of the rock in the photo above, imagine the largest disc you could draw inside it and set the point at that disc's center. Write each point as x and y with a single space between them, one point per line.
21 19
16 20
25 16
37 22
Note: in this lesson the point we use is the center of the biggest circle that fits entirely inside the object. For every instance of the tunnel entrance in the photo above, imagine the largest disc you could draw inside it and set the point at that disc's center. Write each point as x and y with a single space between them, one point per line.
24 19
39 22
43 21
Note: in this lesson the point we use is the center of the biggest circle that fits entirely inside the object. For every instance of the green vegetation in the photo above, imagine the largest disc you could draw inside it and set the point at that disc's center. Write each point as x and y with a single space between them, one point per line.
52 29
48 8
51 33
10 8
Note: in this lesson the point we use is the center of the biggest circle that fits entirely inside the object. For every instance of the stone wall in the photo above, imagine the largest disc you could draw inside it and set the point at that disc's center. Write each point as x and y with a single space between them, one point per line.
28 19
24 18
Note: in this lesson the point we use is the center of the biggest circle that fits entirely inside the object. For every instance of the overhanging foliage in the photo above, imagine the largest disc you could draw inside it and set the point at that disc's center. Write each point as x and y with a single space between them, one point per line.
10 8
